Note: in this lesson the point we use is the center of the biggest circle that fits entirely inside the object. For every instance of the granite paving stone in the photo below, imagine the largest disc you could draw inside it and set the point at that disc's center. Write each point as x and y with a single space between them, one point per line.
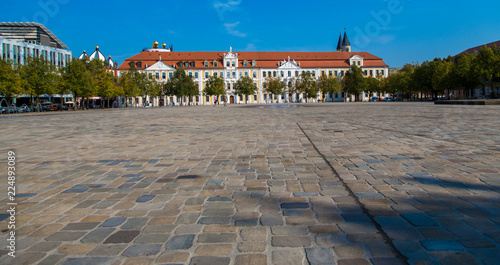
142 250
113 222
250 183
320 256
122 236
180 242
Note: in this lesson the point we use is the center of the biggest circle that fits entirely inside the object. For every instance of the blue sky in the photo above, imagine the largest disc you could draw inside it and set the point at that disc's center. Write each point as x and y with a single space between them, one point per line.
398 31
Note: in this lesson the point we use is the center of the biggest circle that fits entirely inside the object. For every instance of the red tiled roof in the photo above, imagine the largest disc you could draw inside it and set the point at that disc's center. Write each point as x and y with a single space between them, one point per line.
263 59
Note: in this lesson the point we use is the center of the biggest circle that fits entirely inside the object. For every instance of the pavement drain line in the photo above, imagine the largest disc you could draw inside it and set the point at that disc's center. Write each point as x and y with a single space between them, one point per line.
351 194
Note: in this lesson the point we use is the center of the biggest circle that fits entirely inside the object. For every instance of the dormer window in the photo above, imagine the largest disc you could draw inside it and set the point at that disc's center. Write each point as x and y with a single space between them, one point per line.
205 63
245 63
215 63
186 64
254 63
179 64
192 64
138 64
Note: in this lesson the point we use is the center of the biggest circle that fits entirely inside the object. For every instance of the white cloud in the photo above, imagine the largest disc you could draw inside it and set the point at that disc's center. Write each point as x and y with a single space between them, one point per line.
384 39
230 28
222 8
251 47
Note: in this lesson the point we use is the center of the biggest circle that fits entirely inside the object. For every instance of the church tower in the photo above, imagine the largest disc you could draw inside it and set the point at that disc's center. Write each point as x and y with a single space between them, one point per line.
346 45
339 45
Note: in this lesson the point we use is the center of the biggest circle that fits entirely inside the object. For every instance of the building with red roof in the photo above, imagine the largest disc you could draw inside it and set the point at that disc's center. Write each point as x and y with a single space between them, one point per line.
160 63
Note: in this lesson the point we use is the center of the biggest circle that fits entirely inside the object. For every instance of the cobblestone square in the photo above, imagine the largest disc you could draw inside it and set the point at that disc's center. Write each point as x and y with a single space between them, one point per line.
323 183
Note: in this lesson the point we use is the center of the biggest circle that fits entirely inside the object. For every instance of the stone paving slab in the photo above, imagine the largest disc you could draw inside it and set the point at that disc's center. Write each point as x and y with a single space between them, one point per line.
364 183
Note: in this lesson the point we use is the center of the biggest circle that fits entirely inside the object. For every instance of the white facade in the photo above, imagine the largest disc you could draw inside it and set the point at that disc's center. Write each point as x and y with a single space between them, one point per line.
19 52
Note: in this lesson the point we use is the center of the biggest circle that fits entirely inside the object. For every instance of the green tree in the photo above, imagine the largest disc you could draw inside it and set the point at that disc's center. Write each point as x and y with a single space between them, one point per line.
245 86
354 82
181 85
106 85
128 86
440 78
76 78
484 65
306 84
11 84
273 85
40 77
214 86
329 85
462 75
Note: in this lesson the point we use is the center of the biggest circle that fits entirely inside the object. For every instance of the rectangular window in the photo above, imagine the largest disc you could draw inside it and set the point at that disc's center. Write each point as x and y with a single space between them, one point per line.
164 75
254 74
246 74
150 75
241 74
190 74
382 72
378 72
366 72
170 75
205 64
330 73
322 73
206 74
228 75
157 75
282 74
313 73
359 63
227 63
274 73
371 72
215 74
207 99
336 74
245 63
196 75
221 74
254 63
234 74
233 63
228 85
263 74
254 97
215 63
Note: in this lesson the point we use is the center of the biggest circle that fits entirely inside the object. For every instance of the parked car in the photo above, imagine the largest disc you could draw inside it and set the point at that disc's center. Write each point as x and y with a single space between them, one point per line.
388 99
375 99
